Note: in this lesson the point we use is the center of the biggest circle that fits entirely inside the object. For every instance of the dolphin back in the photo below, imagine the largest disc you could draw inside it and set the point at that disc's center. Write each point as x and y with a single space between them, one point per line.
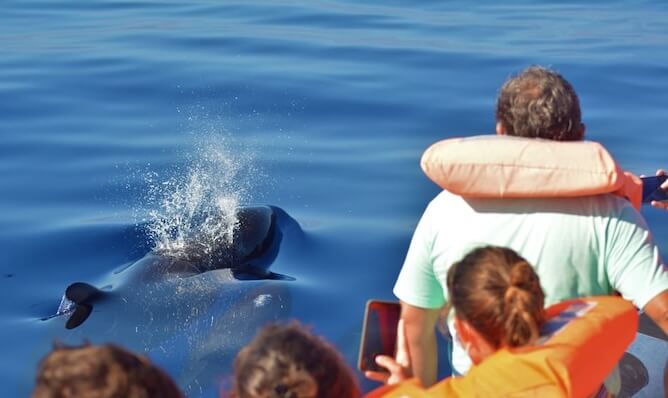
256 244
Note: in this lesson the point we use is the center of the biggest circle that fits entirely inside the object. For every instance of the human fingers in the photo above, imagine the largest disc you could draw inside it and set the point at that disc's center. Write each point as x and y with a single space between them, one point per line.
662 172
397 372
377 376
663 205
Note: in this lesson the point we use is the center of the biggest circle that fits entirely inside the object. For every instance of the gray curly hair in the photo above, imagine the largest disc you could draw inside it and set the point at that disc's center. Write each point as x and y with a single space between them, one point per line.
540 103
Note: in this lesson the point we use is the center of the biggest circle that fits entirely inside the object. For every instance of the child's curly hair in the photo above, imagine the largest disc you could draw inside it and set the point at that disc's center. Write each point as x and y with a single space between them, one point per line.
288 361
100 371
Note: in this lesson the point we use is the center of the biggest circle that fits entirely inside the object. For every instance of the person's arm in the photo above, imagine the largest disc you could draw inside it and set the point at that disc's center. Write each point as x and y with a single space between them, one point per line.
634 266
657 310
421 295
420 330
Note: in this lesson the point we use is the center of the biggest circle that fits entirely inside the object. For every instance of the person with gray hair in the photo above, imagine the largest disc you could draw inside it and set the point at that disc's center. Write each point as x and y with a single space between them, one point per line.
539 103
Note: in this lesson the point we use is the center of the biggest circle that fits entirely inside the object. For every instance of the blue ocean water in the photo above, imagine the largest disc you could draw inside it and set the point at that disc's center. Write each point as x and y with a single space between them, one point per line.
109 108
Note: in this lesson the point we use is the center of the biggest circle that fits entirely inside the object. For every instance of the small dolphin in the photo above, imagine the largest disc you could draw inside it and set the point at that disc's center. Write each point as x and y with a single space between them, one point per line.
254 247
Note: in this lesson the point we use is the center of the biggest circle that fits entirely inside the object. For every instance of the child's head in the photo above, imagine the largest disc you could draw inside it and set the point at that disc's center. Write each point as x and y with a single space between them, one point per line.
287 361
104 371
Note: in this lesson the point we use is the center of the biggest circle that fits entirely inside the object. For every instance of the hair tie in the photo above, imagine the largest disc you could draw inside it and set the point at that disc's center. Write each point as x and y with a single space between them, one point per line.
511 292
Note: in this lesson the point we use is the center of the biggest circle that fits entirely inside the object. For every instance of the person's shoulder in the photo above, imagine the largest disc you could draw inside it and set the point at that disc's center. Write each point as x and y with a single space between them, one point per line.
606 205
443 199
442 206
614 205
615 210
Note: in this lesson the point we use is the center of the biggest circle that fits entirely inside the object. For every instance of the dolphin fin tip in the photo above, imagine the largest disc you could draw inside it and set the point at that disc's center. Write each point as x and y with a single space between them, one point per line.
80 314
280 277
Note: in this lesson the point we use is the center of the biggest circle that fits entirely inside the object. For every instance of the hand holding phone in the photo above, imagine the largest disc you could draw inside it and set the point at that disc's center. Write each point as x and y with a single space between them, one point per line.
651 189
379 333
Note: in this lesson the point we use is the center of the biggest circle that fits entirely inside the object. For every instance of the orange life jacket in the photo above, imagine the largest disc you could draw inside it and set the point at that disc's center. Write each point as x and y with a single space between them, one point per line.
581 343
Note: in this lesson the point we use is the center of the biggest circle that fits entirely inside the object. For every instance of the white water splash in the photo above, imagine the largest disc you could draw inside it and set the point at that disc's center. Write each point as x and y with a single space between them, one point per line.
196 212
262 300
65 307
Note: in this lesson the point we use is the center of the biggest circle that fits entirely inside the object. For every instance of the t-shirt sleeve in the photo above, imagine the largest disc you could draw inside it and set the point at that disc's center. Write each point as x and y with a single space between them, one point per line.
417 284
633 263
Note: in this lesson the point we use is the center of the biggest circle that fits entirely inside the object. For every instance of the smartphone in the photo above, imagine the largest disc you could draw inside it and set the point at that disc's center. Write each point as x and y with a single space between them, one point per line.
651 189
379 333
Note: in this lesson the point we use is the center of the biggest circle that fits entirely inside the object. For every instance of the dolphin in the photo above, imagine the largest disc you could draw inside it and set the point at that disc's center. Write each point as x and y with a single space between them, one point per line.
254 247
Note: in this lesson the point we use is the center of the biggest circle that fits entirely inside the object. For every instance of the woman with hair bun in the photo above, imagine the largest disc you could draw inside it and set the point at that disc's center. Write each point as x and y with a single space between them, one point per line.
518 348
288 361
497 299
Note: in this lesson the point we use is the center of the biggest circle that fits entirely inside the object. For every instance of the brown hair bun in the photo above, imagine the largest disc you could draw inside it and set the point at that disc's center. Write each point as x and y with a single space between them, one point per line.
497 292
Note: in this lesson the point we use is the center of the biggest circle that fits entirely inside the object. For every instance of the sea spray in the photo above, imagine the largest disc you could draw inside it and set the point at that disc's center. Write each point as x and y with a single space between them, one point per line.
195 212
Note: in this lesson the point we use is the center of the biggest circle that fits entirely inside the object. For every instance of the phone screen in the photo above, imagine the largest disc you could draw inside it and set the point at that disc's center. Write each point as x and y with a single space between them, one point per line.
379 333
651 189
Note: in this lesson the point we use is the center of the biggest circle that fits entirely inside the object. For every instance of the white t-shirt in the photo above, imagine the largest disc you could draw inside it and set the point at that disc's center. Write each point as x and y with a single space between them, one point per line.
582 246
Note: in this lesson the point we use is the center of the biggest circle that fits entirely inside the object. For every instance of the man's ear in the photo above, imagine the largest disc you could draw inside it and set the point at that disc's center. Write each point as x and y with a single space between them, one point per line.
500 130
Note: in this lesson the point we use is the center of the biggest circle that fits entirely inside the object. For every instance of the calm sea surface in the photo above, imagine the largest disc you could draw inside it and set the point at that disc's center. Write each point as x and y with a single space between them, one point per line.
109 110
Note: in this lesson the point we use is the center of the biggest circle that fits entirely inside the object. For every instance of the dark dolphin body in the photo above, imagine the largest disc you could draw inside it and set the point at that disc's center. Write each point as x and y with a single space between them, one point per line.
256 244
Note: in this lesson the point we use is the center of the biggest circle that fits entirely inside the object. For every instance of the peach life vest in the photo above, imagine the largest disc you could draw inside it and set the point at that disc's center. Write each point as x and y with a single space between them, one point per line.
493 166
